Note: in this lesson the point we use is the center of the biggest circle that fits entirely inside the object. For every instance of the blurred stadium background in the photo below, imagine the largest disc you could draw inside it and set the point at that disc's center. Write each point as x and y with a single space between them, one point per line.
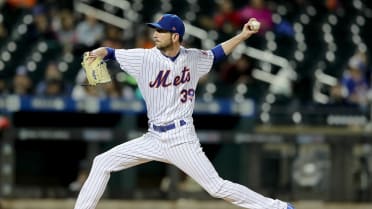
288 113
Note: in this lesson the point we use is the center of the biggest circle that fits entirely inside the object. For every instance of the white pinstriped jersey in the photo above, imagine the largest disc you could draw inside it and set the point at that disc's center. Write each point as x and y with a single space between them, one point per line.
167 86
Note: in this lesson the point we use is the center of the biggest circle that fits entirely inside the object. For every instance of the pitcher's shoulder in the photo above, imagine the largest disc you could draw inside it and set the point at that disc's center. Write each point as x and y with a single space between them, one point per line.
195 51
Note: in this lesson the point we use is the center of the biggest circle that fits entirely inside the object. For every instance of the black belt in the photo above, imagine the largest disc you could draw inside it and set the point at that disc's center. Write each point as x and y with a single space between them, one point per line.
168 127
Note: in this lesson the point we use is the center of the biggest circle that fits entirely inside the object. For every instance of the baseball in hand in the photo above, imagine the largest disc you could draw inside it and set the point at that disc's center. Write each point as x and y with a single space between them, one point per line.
254 25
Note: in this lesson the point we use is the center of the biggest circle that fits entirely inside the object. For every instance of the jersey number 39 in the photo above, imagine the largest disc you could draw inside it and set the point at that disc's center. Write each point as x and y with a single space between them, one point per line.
187 94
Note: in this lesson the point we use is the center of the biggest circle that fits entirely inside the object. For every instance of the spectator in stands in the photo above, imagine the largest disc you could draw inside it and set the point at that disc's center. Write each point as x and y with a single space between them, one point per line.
41 28
259 10
22 3
113 37
89 34
3 31
129 87
54 88
238 71
353 86
226 19
53 83
22 83
112 90
144 40
66 31
332 5
3 86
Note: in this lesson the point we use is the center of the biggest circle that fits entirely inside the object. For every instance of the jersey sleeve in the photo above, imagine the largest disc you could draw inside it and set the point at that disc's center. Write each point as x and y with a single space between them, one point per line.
205 61
130 60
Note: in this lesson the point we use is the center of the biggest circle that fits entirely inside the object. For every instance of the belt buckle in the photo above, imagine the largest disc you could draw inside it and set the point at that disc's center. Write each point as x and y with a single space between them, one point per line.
182 122
158 128
164 128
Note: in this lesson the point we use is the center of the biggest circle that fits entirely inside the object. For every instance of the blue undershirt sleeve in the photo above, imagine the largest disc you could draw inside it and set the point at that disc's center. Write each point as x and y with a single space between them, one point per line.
110 54
218 53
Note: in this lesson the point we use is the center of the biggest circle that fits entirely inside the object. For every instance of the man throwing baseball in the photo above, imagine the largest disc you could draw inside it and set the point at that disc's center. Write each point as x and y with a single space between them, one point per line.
167 76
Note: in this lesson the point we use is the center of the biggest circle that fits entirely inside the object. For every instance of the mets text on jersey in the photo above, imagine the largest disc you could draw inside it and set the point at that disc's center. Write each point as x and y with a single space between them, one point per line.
162 78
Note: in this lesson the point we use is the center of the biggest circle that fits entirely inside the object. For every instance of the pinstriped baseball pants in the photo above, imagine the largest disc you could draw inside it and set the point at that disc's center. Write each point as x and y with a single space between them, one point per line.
180 147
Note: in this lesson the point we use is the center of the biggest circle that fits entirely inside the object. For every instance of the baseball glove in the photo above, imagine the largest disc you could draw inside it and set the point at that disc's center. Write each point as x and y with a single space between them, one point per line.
95 70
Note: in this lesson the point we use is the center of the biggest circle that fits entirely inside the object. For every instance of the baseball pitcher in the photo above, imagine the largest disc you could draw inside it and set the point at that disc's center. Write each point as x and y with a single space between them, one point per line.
167 76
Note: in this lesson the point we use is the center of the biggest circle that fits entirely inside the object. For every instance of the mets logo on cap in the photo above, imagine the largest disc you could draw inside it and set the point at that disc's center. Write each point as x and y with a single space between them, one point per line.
169 22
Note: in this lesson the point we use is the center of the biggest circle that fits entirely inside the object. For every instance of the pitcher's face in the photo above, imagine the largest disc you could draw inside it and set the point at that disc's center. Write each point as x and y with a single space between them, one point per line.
164 39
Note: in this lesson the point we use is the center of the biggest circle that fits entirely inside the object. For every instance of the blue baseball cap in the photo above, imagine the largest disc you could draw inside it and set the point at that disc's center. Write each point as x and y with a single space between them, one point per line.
169 22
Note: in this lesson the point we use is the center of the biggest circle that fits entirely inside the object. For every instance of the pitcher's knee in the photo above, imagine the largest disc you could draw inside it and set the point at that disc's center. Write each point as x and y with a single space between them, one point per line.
217 190
216 194
100 162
